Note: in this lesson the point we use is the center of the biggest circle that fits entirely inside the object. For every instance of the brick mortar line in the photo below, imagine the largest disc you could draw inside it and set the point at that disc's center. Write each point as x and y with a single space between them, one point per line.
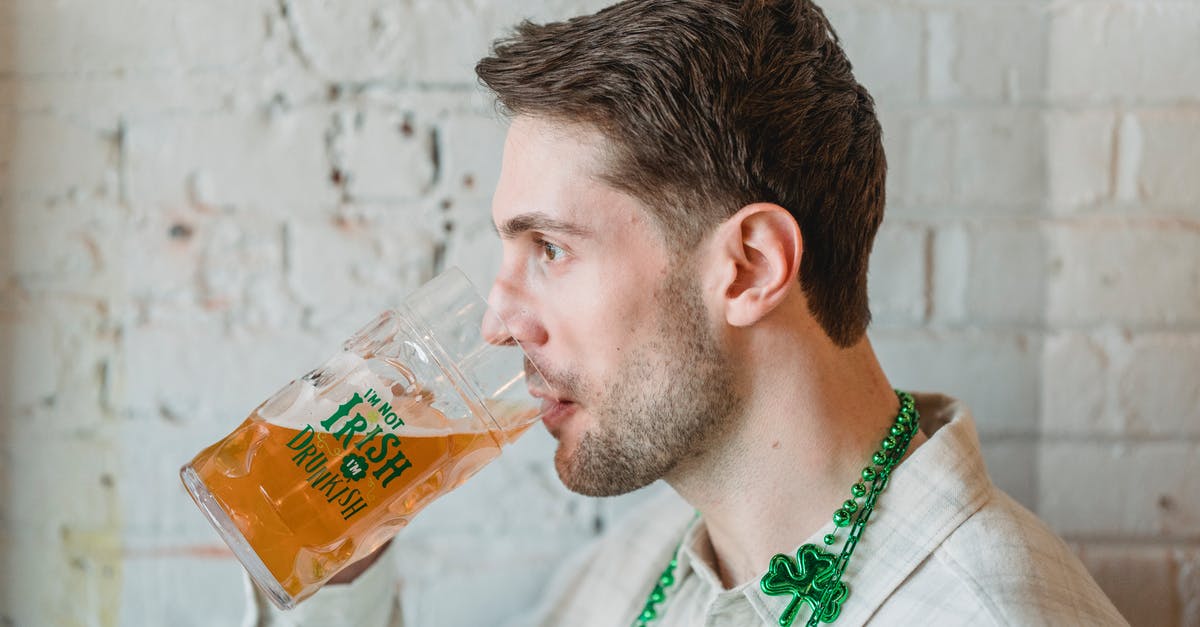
1041 328
1185 440
1118 541
939 218
949 107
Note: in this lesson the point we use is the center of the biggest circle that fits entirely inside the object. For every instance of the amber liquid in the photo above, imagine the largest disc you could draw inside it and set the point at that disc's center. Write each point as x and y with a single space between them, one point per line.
306 534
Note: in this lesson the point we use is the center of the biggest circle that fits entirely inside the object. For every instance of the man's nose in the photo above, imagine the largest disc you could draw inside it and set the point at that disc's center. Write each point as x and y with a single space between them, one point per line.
509 318
494 330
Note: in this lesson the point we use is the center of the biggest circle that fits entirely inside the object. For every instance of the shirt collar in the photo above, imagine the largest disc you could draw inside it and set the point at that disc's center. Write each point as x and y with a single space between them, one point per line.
929 495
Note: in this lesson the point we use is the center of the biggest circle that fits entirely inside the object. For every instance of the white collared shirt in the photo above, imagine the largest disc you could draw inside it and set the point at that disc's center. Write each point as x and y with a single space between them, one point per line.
944 546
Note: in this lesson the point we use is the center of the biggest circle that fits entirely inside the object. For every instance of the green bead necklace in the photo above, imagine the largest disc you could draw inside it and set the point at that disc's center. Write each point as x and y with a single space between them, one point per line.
815 575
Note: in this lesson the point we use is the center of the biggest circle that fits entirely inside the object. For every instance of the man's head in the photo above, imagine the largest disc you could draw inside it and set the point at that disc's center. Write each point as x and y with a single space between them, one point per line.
653 142
711 105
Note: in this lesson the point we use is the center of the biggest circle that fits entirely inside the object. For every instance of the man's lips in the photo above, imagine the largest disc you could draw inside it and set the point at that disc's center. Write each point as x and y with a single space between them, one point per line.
555 409
542 389
555 413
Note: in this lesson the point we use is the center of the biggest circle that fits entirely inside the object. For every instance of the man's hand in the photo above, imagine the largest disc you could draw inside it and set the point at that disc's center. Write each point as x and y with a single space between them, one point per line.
352 572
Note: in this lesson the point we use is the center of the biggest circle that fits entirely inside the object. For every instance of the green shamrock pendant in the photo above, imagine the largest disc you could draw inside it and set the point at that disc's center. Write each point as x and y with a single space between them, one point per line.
812 578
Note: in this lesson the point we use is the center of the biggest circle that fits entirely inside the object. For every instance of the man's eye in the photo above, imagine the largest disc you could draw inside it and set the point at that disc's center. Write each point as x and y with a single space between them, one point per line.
551 251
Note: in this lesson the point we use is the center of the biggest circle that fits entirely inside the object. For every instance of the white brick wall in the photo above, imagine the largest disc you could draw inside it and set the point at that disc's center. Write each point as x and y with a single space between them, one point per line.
198 200
1124 51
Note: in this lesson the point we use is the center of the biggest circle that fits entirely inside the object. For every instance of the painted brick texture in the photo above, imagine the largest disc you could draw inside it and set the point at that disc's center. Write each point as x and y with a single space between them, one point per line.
199 200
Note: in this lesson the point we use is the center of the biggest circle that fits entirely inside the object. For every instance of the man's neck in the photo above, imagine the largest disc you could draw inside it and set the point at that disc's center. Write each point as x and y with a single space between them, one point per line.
788 461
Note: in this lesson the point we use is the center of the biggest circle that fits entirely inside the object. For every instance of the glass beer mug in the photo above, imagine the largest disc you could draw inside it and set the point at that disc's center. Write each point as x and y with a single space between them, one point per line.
335 463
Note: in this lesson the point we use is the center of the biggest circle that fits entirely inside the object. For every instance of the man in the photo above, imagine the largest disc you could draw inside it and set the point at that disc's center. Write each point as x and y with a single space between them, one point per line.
688 197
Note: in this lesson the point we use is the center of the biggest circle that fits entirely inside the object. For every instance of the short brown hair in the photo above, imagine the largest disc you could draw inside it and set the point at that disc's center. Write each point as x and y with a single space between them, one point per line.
711 105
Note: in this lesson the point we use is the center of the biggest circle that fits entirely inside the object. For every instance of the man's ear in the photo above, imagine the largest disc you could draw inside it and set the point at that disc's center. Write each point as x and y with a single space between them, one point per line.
759 250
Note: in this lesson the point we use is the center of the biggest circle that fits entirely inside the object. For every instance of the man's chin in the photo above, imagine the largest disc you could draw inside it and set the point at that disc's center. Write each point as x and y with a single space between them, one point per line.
585 474
586 487
564 462
566 472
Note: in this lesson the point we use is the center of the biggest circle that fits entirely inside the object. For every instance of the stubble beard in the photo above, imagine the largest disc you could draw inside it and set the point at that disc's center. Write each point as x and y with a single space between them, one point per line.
674 397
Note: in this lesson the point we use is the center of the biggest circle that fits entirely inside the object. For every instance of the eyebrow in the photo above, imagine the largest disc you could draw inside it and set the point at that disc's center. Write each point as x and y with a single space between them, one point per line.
538 221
